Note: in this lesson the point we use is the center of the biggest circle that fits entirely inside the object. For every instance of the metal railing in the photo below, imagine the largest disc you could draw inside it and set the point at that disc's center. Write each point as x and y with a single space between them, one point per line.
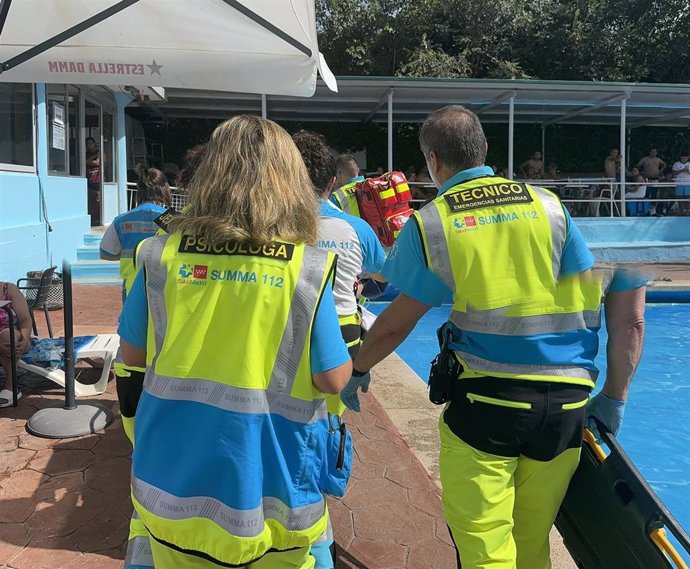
177 199
584 197
590 197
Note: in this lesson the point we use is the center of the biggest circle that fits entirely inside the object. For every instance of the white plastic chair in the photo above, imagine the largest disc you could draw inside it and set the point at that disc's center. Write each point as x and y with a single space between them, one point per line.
609 195
103 346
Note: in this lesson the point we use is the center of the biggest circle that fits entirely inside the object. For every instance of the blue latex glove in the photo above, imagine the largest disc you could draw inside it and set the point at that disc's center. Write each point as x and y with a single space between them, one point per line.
608 411
349 393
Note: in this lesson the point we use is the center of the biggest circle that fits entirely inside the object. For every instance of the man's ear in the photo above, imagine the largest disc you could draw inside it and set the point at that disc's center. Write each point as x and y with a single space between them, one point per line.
432 159
331 185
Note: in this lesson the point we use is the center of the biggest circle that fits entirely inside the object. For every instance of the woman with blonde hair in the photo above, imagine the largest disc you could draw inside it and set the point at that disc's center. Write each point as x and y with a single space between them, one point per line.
233 321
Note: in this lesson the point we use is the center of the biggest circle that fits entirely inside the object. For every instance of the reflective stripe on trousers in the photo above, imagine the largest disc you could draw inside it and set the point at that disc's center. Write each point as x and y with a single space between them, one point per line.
138 553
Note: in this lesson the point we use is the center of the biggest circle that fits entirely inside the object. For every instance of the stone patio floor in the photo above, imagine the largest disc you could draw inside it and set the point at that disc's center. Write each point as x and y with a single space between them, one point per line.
64 504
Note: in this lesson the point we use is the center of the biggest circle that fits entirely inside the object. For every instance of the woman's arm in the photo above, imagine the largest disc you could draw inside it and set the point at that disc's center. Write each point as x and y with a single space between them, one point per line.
131 355
333 380
21 309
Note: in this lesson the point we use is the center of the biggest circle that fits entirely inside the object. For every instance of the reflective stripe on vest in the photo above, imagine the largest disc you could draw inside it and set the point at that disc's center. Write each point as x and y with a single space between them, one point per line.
514 300
346 197
138 553
495 321
235 399
207 523
303 304
240 523
149 227
151 253
558 373
554 212
437 246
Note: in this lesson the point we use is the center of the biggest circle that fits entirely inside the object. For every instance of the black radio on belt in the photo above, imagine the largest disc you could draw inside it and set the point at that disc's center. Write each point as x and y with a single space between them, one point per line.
445 370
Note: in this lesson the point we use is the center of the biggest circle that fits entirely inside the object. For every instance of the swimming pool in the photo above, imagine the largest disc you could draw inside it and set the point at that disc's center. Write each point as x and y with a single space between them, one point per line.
656 430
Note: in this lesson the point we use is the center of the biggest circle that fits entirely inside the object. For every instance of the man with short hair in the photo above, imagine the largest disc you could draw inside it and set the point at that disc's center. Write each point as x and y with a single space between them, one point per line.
533 168
351 238
523 330
358 250
651 166
612 164
347 178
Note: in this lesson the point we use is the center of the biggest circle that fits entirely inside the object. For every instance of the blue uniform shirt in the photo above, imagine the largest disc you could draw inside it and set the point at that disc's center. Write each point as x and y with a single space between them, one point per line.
358 250
129 229
328 351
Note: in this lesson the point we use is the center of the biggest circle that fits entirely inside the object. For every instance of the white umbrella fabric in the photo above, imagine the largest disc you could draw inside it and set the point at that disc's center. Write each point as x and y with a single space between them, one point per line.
246 46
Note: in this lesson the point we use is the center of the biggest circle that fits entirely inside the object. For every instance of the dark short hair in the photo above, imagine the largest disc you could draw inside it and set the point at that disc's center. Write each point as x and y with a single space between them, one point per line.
91 138
317 157
152 185
192 160
347 163
684 153
455 134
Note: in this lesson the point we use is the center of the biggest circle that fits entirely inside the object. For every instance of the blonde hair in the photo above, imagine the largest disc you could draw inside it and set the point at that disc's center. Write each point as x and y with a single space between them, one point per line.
250 187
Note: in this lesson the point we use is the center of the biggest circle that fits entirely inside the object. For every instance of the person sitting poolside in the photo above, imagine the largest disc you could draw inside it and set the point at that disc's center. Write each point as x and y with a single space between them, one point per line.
22 337
638 189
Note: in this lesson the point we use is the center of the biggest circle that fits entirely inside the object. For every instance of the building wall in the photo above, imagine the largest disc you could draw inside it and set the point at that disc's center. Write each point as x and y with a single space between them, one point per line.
43 218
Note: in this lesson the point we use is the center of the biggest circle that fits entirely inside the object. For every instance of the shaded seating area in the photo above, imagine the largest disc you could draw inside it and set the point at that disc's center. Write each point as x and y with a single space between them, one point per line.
45 358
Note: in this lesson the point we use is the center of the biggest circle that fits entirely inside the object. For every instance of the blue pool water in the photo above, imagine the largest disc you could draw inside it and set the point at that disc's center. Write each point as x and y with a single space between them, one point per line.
656 430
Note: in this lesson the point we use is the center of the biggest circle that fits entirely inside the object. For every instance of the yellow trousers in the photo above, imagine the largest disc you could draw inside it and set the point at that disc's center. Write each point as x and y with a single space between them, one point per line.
500 510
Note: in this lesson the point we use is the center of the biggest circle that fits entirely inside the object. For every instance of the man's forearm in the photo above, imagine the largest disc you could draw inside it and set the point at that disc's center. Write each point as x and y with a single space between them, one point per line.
623 355
379 343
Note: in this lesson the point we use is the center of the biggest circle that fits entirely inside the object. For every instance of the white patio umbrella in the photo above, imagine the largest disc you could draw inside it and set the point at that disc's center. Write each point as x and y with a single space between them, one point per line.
248 46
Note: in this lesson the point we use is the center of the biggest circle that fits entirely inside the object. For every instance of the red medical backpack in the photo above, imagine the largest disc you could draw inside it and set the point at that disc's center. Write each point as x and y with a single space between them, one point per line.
384 203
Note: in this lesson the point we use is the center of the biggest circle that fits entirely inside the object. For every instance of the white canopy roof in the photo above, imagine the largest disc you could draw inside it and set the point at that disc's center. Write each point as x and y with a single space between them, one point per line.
246 46
364 99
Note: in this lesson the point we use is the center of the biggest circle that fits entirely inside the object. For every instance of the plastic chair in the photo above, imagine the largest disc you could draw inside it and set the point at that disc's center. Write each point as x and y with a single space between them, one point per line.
607 197
103 346
37 296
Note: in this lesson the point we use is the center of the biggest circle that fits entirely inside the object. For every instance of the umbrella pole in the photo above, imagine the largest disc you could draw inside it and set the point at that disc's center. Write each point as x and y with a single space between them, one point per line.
71 419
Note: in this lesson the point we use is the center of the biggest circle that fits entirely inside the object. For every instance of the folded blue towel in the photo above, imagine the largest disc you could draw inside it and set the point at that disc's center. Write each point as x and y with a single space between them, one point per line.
50 352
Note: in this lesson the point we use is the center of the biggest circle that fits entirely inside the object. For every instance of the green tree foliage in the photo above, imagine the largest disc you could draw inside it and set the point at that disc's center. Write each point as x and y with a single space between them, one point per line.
610 40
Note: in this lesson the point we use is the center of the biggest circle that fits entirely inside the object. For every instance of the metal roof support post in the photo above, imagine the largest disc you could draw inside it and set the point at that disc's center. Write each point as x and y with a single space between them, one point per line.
264 110
623 154
511 133
390 130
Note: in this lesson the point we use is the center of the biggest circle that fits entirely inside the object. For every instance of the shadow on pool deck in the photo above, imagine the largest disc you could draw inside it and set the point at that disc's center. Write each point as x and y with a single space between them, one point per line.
63 503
